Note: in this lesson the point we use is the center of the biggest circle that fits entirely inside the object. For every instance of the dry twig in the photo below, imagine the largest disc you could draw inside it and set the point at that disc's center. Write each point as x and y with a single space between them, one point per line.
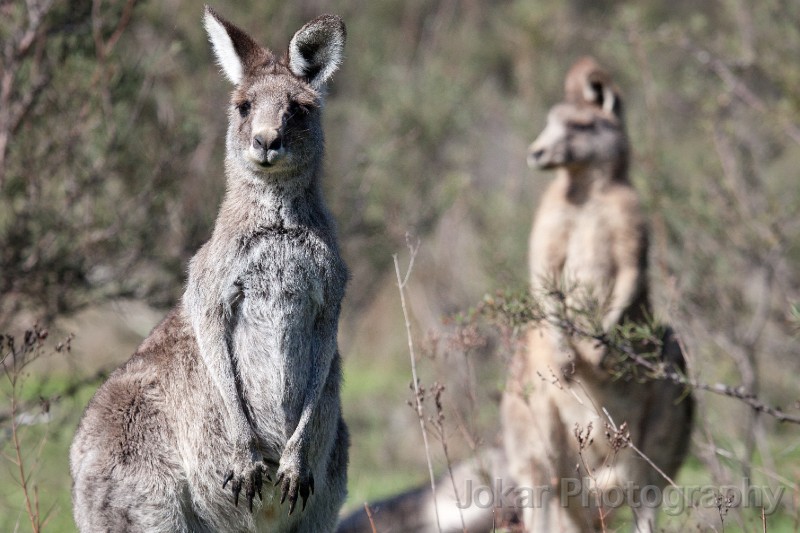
418 392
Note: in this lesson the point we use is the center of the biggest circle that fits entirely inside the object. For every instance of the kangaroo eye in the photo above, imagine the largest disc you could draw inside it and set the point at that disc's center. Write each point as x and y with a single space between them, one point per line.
244 108
296 108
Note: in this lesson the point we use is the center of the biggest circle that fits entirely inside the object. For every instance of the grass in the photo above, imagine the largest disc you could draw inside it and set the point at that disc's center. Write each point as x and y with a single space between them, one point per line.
368 390
384 457
695 474
44 449
371 397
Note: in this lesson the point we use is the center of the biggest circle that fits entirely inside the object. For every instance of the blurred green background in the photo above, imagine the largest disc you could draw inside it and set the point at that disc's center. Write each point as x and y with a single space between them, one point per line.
112 124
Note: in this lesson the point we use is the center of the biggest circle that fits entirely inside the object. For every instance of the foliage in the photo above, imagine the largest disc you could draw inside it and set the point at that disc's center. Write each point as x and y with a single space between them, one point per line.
22 453
112 131
92 158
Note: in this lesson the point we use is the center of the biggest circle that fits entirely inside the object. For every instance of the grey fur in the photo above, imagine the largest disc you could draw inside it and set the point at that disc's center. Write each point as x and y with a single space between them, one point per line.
240 382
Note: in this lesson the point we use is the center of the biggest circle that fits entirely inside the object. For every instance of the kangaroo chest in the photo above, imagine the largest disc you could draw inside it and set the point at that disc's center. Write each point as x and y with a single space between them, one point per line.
284 316
575 243
589 248
294 269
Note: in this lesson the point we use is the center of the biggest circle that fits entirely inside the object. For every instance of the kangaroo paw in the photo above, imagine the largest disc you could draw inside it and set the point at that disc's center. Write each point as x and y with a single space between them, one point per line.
247 472
294 482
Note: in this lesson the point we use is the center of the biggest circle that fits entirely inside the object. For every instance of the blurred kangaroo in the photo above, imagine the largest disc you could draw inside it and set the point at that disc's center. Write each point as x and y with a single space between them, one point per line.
485 502
240 382
589 232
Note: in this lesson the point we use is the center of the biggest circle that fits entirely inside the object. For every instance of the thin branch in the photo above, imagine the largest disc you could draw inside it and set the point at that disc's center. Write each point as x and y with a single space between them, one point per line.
656 370
15 53
737 87
369 517
401 285
438 425
633 447
124 20
32 512
739 393
669 374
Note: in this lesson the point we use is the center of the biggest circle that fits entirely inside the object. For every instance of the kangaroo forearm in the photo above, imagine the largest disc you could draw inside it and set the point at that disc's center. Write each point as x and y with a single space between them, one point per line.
312 395
210 329
626 287
217 360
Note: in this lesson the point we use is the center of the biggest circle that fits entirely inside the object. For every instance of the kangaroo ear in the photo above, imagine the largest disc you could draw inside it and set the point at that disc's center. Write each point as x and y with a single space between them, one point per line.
601 94
233 48
316 50
588 83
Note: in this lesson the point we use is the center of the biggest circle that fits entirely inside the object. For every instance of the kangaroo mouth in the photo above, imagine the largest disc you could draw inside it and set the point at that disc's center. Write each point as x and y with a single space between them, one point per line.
542 163
267 158
273 156
546 165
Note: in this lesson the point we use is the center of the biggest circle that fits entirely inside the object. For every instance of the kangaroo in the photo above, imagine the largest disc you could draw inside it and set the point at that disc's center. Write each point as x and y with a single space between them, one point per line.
485 502
589 231
239 384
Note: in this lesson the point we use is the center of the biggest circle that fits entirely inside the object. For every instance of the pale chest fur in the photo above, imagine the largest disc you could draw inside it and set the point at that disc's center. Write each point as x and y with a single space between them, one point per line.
574 242
589 261
290 294
269 266
289 266
283 290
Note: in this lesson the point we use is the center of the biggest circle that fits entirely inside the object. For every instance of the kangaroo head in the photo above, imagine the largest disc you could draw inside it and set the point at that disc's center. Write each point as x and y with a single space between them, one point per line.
587 128
275 110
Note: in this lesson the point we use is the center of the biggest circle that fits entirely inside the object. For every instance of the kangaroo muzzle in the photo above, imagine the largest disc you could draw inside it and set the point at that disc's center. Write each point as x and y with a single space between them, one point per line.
267 147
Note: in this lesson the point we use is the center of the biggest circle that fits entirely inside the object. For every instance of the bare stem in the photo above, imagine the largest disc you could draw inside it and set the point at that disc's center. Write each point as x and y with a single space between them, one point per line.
438 425
401 284
369 517
455 488
23 480
641 453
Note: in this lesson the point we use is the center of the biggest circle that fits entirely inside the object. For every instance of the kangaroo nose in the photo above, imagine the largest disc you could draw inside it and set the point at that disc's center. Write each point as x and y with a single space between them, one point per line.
537 154
263 142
